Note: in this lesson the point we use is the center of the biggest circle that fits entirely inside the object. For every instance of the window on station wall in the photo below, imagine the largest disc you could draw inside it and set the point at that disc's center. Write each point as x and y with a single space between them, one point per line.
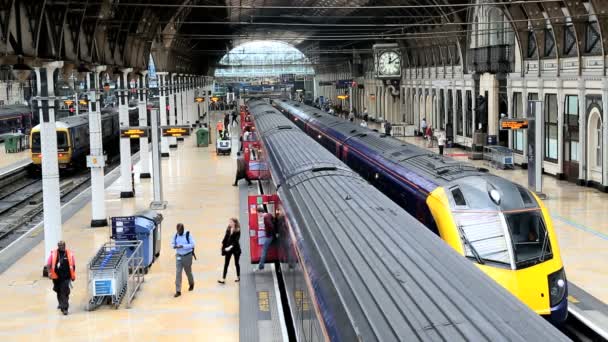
468 129
551 127
518 112
459 110
571 123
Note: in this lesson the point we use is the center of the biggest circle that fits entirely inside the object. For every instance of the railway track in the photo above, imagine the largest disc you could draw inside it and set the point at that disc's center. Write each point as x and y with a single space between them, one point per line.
21 199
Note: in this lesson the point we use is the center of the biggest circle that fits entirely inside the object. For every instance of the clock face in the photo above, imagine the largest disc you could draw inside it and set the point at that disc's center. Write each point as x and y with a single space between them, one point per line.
389 63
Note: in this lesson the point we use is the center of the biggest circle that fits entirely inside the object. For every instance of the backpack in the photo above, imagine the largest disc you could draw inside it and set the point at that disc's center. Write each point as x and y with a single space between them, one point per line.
187 239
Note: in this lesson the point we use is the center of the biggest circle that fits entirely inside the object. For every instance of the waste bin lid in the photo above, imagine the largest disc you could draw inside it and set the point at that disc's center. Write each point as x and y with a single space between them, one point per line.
151 215
143 225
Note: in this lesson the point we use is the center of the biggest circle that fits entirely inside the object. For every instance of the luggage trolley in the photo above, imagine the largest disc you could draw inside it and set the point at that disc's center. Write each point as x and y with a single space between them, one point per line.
113 274
499 156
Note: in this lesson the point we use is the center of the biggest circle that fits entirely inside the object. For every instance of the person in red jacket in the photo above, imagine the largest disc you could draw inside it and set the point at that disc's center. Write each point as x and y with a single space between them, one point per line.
62 270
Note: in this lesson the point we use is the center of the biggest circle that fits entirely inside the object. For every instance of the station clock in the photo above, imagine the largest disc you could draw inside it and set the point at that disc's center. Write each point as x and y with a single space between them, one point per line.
387 61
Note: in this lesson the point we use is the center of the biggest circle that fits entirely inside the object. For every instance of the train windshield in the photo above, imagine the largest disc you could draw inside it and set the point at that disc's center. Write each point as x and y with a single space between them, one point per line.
529 237
62 141
483 236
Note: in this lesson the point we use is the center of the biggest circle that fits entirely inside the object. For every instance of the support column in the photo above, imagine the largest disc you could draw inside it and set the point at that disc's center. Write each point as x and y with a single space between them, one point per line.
455 111
172 90
582 133
560 127
604 134
541 97
445 106
96 160
473 110
524 99
51 204
144 155
158 202
126 188
162 110
465 108
510 111
183 111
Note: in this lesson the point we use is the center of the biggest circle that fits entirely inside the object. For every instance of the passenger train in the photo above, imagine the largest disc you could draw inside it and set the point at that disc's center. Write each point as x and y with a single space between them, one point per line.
357 267
501 226
73 144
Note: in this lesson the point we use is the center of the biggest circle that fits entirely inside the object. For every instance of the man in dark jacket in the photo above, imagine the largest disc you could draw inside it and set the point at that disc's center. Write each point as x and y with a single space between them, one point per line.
226 121
271 230
62 270
241 172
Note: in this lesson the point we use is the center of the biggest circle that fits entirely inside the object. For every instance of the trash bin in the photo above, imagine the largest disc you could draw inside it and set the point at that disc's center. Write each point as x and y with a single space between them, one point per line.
156 219
11 143
202 137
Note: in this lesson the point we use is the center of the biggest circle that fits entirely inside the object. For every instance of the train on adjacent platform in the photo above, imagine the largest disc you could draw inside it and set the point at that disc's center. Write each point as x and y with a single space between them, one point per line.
357 267
501 226
15 118
73 143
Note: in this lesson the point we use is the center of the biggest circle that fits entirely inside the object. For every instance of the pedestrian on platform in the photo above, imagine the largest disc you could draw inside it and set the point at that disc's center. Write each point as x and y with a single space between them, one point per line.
220 129
351 116
234 118
387 127
61 266
429 135
241 171
231 247
183 243
423 127
271 230
365 114
227 121
363 123
441 142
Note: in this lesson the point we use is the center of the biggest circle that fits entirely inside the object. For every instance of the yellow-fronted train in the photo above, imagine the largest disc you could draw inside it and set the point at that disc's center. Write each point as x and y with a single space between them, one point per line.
501 226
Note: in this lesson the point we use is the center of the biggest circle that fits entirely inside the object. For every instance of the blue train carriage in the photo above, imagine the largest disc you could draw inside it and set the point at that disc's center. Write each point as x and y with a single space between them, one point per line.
502 227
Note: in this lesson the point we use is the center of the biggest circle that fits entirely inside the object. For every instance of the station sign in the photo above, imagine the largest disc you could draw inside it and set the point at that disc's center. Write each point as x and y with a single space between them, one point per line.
344 83
342 97
134 132
68 102
175 131
513 124
123 228
199 99
326 83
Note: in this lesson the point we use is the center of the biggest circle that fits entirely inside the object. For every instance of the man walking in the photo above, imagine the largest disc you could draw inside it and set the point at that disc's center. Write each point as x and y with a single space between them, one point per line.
62 270
183 243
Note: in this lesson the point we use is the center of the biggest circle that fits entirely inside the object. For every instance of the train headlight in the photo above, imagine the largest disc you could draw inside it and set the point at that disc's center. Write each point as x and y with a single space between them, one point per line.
557 287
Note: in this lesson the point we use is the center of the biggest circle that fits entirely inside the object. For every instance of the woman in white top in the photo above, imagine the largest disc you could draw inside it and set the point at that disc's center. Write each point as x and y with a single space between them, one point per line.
363 123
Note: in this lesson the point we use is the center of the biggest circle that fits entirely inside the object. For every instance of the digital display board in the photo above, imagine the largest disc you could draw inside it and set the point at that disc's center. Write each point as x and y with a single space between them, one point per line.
134 132
513 124
175 131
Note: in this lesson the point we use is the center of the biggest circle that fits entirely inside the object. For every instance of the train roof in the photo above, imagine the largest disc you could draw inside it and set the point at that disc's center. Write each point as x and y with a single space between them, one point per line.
14 109
378 274
77 120
440 169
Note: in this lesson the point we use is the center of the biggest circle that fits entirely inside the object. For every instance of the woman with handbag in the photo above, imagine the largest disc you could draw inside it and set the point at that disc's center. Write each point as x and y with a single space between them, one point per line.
231 247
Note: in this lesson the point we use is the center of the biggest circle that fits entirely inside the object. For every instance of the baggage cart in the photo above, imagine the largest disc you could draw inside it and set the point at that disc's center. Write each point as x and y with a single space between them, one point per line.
223 144
499 156
113 274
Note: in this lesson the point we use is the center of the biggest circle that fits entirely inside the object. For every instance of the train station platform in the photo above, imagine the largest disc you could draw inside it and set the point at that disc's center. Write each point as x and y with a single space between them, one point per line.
10 160
197 186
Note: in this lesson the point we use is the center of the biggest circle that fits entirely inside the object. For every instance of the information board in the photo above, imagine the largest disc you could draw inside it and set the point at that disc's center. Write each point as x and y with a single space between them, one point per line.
176 131
134 132
514 124
123 228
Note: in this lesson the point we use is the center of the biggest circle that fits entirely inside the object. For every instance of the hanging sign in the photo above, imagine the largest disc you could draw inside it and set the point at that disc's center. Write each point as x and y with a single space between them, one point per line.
134 132
513 124
175 131
199 99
